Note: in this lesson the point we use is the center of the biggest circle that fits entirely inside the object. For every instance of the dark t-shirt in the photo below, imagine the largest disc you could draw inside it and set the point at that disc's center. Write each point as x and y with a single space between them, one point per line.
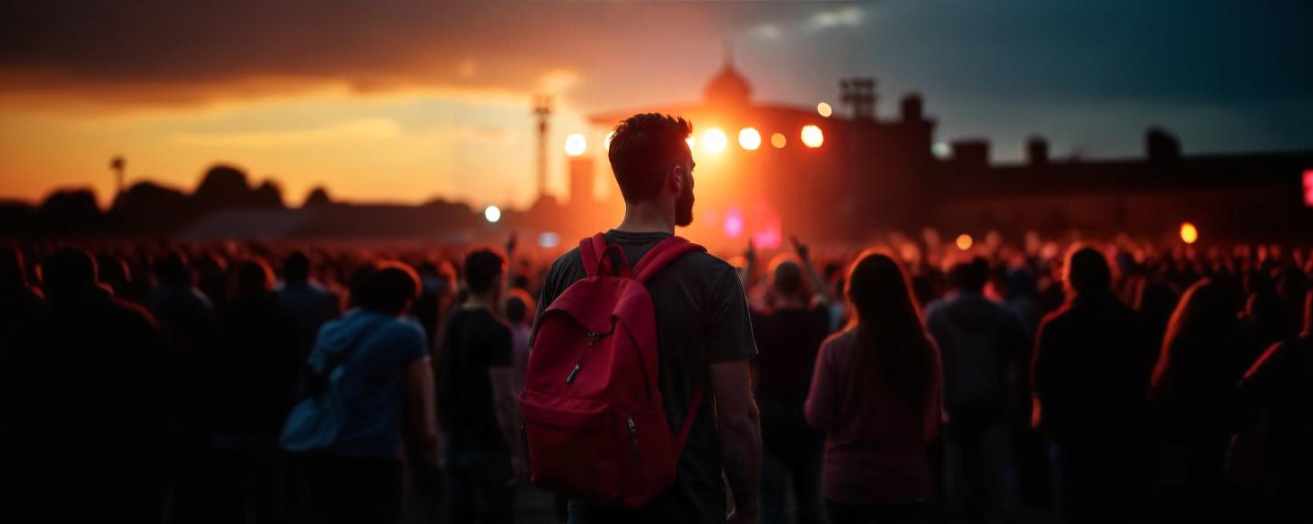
476 342
788 340
702 318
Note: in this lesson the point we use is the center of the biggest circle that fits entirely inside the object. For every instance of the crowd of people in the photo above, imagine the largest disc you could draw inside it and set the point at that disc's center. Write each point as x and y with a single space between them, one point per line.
1094 381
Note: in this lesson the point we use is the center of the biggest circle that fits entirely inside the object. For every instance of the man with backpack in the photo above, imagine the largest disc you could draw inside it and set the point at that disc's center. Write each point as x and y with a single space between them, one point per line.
638 403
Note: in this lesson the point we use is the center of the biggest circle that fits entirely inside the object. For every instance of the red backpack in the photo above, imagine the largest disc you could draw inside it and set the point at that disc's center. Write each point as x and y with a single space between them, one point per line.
593 415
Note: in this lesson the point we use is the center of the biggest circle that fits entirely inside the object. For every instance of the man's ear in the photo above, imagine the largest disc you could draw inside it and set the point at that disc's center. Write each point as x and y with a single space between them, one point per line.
675 179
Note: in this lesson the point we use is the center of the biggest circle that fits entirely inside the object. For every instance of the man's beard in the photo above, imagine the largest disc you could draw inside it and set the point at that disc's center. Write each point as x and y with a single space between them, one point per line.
684 208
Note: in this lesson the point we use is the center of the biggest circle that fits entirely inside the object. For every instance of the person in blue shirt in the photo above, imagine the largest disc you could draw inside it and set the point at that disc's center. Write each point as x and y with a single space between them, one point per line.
386 388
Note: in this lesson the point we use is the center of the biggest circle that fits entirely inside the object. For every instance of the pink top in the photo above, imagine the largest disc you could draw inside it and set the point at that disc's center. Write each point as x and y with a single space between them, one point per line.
875 448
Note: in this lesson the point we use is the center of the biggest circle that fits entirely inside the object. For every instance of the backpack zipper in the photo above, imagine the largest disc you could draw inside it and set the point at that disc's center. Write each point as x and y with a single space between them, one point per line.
633 436
592 337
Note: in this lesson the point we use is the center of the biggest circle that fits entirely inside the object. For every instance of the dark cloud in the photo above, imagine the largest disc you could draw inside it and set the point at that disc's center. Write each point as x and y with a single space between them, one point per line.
984 61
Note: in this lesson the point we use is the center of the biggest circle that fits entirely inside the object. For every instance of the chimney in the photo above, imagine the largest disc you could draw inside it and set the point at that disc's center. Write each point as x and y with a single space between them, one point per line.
1037 150
1161 146
912 110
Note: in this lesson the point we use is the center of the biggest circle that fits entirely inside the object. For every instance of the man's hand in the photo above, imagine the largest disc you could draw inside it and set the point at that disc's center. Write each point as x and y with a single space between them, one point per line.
800 248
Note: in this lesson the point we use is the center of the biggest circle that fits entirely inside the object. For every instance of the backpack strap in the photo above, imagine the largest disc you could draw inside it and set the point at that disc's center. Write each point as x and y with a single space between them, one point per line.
601 258
694 407
661 255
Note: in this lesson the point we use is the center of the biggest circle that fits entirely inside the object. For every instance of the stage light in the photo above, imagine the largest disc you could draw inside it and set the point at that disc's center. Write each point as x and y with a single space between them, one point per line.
733 223
606 142
492 214
714 140
692 142
749 139
575 144
548 240
1189 233
964 241
778 140
824 109
812 136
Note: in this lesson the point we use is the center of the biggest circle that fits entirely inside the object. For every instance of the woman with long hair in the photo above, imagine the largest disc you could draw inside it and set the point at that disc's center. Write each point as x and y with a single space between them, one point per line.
1204 355
876 397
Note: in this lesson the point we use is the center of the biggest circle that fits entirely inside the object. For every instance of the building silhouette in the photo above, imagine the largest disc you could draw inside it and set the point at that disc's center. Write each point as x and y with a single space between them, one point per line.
870 176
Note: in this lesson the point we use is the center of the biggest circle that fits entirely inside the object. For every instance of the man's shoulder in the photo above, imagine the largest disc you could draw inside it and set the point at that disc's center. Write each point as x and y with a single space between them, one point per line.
701 264
402 329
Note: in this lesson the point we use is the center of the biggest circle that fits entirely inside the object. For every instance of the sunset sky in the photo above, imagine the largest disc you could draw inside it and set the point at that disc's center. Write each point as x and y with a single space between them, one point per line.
405 101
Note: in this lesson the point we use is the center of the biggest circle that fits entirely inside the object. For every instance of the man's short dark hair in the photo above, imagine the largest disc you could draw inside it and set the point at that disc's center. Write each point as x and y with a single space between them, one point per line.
389 287
482 267
296 267
970 275
643 150
1088 271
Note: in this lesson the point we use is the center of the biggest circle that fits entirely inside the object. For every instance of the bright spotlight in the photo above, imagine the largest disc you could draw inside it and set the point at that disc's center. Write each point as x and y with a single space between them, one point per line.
941 151
692 142
492 214
964 241
575 144
812 136
606 142
749 139
824 109
714 140
779 140
1189 233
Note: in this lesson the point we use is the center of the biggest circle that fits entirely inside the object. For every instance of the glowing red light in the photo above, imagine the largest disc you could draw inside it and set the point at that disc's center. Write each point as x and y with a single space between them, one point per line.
1308 188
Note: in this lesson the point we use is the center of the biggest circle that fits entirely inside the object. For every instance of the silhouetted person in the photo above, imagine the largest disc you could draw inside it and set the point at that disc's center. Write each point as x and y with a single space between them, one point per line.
189 325
20 302
703 330
519 314
374 365
1204 355
1280 385
1090 376
437 287
476 395
788 336
309 303
983 345
84 405
115 274
876 397
251 376
1022 299
1155 301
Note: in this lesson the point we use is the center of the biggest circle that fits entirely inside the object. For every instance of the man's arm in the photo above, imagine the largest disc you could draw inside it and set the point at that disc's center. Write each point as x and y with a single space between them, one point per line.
822 291
739 426
421 413
503 395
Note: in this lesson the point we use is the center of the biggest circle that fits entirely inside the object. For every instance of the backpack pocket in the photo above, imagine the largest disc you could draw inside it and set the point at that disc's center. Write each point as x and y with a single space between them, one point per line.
578 447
